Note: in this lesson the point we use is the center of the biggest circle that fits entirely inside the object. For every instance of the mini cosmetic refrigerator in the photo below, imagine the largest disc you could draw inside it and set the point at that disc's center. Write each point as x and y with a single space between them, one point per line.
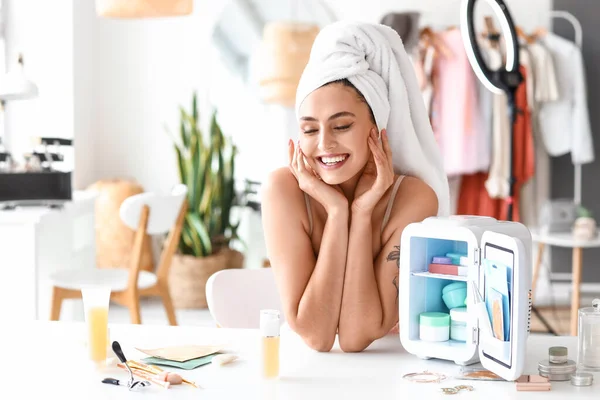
479 253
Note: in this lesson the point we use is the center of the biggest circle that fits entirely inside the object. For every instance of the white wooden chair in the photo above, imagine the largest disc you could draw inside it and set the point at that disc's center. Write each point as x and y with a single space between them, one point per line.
236 296
148 214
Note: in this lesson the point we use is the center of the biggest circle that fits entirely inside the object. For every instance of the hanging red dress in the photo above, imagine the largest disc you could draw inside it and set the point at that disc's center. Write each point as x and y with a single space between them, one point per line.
474 198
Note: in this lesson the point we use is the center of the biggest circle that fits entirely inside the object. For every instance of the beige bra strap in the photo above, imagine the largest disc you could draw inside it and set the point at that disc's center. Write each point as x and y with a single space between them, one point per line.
310 220
390 204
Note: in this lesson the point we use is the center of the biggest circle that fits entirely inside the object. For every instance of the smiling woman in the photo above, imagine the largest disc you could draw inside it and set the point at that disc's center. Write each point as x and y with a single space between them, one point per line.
333 218
334 120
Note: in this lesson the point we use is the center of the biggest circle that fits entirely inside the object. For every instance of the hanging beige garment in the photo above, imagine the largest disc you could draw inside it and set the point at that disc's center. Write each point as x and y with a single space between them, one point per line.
536 191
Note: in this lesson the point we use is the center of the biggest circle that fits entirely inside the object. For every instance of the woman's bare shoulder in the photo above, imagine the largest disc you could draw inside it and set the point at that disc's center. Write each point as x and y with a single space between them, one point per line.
281 186
415 191
415 201
282 204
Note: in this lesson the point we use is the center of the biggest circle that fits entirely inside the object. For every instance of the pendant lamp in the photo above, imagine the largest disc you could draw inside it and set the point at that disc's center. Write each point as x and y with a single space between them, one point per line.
15 85
143 8
285 52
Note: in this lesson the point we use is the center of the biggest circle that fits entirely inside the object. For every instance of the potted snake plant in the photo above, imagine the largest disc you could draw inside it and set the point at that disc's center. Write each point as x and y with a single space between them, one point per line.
206 165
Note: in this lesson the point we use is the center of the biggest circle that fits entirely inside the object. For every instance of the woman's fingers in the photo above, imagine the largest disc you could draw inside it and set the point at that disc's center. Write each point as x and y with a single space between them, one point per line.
302 163
382 163
375 147
307 166
311 169
377 157
291 151
386 145
301 168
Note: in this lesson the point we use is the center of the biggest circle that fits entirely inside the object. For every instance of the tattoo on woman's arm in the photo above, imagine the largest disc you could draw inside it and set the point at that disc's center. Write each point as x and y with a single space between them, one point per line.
395 256
395 283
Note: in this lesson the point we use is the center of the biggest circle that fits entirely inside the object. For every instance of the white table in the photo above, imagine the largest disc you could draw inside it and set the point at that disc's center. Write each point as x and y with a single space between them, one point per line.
47 360
568 241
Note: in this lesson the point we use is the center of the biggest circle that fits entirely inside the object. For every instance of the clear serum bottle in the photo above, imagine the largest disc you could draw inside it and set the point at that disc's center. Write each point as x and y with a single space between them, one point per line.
269 329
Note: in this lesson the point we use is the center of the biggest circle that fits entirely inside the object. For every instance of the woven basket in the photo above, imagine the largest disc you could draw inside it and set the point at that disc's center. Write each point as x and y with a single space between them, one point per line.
114 239
235 259
188 276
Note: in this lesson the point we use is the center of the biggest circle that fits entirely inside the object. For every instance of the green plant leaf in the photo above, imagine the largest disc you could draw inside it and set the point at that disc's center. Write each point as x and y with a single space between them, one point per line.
201 232
181 166
192 241
195 107
583 212
207 166
183 131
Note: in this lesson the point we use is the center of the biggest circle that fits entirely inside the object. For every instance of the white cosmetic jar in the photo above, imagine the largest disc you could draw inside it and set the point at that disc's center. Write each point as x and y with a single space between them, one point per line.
434 326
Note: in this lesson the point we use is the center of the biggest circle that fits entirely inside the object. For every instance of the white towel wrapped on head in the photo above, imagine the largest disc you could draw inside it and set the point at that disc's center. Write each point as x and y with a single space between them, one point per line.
372 57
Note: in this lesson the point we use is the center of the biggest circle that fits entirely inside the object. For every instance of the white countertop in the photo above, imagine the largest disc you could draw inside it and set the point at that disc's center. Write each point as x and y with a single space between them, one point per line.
33 214
48 358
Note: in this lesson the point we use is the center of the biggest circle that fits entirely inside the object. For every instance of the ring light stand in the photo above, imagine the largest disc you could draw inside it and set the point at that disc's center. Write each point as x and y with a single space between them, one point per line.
505 80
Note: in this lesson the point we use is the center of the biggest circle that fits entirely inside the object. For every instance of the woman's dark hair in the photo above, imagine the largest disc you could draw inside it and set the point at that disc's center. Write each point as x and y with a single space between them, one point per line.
347 83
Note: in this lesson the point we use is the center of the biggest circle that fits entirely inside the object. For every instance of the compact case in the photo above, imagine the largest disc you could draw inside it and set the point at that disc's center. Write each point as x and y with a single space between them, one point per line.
493 249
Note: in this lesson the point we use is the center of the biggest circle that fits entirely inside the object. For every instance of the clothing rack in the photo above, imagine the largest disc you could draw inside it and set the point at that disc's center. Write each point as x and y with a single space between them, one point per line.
578 41
577 184
510 95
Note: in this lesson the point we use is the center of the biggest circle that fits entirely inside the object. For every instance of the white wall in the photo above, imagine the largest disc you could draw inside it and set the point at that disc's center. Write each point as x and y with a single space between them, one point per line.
114 84
119 82
42 31
130 77
84 91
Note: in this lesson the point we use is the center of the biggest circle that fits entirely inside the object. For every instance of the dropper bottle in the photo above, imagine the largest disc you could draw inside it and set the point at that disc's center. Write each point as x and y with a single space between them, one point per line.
269 329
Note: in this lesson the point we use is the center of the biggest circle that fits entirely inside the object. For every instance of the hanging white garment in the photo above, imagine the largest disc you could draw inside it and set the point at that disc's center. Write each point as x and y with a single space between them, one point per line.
536 191
546 85
427 90
565 123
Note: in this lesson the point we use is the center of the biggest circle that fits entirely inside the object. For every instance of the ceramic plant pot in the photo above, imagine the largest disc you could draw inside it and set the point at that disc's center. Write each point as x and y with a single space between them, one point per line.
584 228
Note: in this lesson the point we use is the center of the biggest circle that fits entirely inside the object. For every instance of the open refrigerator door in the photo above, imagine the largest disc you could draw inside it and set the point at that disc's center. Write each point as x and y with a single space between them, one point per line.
504 285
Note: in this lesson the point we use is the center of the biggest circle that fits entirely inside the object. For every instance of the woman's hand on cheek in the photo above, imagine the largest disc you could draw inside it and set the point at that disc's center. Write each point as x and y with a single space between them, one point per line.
330 197
377 176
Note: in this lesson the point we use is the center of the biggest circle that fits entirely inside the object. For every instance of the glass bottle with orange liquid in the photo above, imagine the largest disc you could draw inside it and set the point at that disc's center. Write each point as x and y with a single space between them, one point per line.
95 302
269 328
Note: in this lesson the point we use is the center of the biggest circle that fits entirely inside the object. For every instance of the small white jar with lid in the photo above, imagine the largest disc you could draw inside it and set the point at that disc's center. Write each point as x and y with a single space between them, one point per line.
434 326
458 324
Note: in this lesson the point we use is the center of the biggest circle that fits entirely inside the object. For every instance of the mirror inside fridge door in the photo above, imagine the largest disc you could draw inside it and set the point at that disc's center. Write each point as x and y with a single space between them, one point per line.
504 285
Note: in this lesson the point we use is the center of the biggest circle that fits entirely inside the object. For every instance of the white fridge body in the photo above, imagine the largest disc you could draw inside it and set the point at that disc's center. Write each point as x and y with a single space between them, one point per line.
492 250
